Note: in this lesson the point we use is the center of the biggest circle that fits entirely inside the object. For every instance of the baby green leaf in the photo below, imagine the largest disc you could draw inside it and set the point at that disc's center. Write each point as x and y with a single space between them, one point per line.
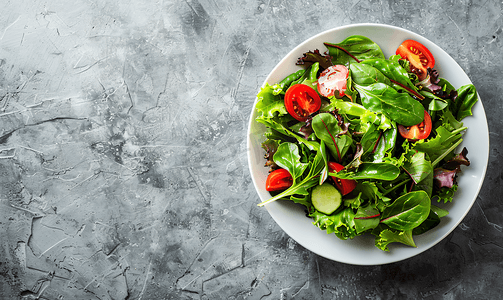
270 104
368 170
408 211
359 46
287 156
363 74
400 107
418 167
388 236
393 70
467 97
326 127
366 218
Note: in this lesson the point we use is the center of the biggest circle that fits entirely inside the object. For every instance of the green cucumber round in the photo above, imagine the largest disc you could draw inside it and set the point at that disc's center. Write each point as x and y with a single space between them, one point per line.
326 198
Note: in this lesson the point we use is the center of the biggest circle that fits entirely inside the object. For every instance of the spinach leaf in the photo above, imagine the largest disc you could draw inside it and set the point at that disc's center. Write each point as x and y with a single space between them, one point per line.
369 170
326 127
366 218
385 143
370 138
364 74
418 167
400 107
287 157
426 184
431 221
359 46
394 71
302 186
467 97
408 211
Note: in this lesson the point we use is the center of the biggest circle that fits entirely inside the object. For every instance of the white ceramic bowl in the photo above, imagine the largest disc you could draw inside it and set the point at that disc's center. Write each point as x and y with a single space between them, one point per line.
361 250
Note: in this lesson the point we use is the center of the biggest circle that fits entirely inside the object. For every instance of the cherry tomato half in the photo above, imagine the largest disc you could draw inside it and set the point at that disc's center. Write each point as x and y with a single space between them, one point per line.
417 132
418 55
345 186
278 180
301 100
332 79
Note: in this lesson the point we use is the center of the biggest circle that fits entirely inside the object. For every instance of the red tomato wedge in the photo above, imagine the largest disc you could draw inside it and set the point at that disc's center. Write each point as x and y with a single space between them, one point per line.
418 55
278 180
301 101
345 186
333 81
420 131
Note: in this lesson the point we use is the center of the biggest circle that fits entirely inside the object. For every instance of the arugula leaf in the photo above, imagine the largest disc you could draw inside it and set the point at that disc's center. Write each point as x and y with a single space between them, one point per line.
441 145
408 211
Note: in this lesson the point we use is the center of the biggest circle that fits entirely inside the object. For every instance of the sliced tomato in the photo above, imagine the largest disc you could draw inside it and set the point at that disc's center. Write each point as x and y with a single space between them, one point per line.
301 101
418 55
278 180
333 81
417 132
345 186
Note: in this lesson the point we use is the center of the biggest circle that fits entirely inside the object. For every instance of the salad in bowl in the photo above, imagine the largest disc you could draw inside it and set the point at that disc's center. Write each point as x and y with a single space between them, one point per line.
365 143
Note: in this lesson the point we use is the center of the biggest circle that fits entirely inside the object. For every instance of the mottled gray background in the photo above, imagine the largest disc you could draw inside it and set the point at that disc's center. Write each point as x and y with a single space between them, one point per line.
123 167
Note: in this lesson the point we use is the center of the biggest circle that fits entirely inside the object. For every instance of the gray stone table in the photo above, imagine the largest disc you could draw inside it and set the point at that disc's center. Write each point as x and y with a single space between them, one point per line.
123 163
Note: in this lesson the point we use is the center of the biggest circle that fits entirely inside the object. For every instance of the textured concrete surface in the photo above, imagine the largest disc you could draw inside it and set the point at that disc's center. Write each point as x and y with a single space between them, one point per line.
123 169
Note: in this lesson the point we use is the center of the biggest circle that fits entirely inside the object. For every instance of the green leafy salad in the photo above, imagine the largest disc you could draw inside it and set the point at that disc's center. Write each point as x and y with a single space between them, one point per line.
366 143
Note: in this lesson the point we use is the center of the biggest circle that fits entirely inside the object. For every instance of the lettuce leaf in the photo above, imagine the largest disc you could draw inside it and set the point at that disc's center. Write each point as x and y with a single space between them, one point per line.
341 223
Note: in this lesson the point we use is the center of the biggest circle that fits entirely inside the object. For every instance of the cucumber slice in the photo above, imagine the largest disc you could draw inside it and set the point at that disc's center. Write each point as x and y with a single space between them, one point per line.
326 198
